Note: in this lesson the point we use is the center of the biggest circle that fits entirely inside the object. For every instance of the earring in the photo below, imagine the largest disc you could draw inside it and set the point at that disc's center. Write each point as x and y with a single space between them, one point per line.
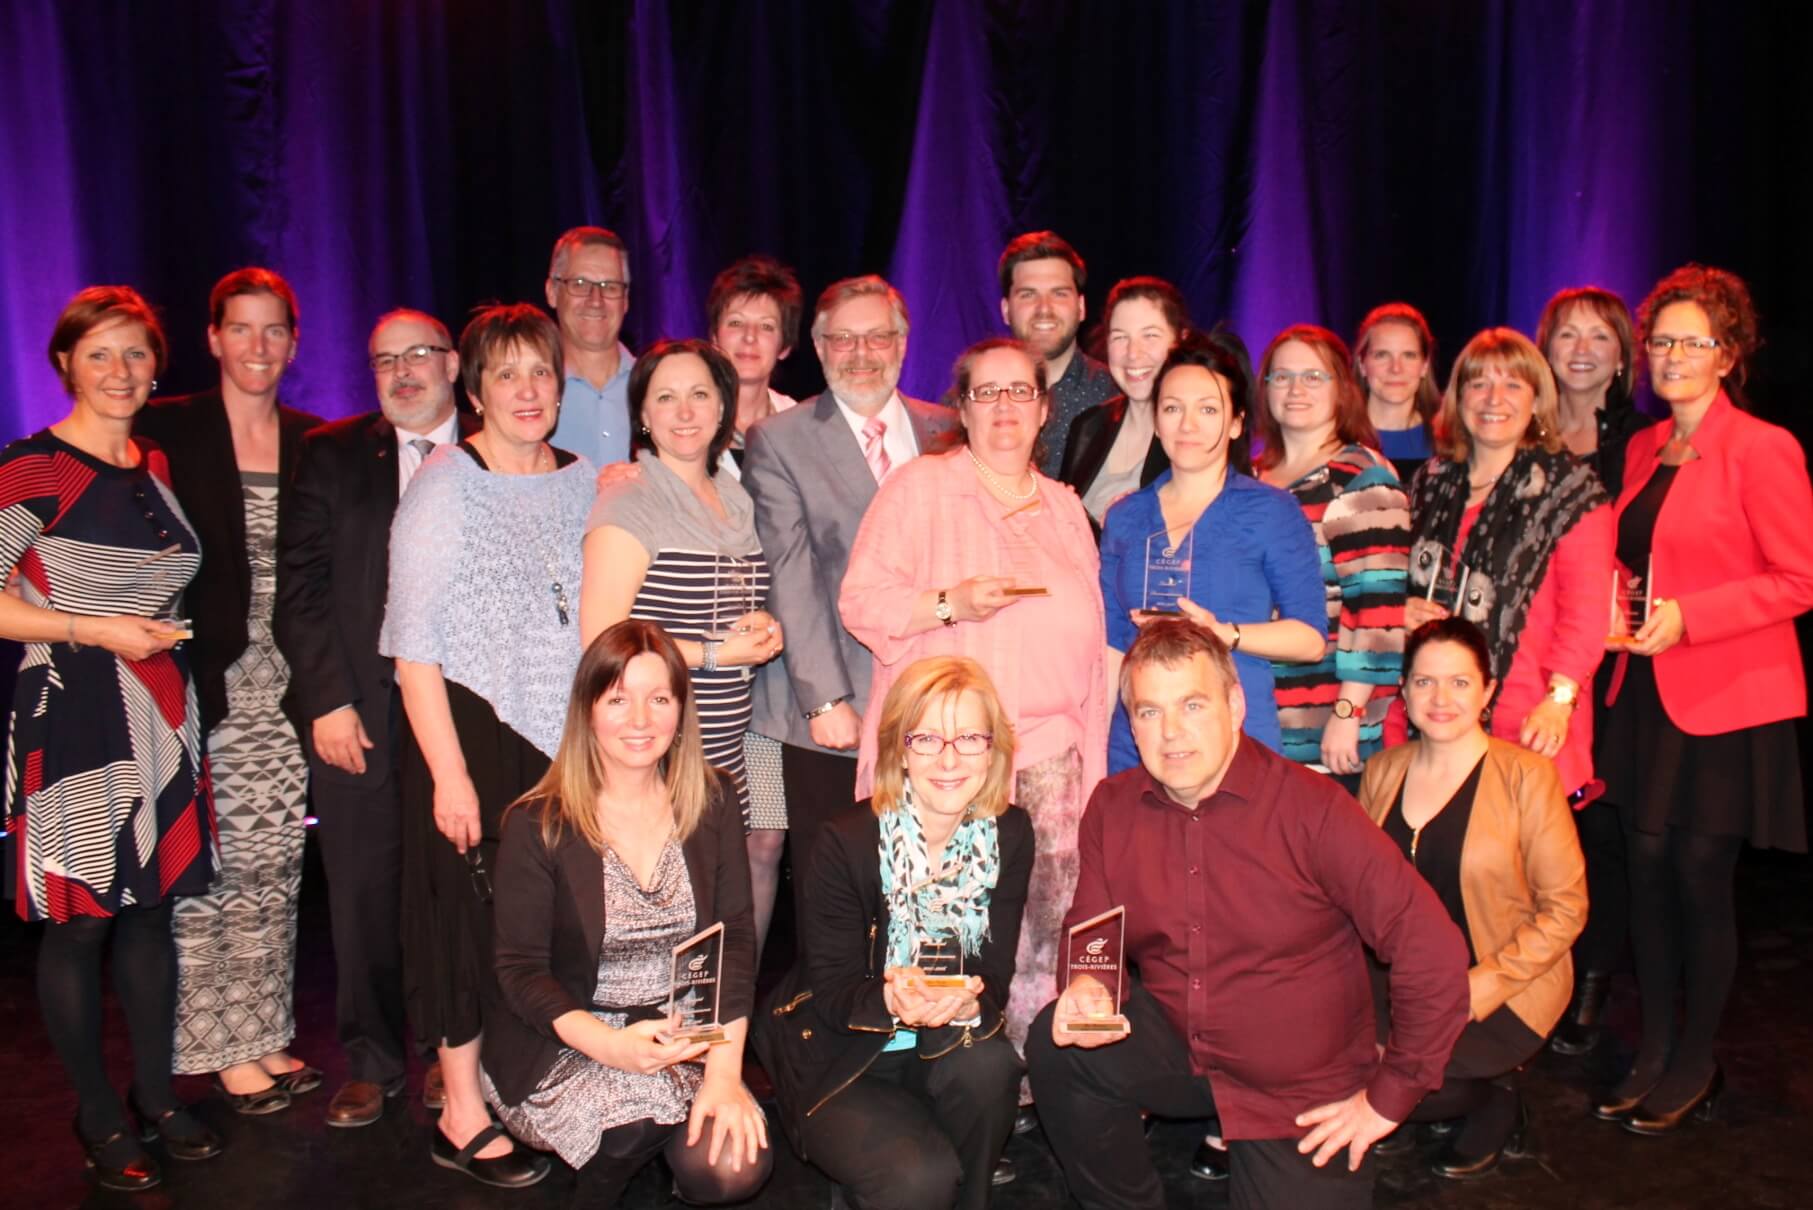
154 384
643 431
478 407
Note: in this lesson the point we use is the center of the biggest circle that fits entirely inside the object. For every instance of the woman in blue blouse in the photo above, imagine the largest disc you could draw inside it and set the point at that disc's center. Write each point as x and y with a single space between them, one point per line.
1254 576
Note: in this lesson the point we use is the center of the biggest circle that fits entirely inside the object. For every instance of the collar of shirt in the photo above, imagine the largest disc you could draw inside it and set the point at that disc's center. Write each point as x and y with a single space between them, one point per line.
626 361
899 441
447 430
1240 784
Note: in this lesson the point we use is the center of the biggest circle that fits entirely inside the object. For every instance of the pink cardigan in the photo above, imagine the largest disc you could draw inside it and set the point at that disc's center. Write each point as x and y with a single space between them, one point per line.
933 525
1564 632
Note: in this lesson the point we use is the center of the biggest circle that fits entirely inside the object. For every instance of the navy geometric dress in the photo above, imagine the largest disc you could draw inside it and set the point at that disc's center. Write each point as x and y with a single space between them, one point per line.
106 793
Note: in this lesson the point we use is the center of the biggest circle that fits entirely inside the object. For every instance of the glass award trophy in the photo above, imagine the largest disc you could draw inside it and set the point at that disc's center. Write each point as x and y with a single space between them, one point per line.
1437 575
1632 598
733 592
939 959
1020 563
1096 949
697 980
1167 578
164 578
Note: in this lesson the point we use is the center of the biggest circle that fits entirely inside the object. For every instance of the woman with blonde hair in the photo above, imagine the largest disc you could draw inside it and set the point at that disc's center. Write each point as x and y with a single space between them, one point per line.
894 1025
627 847
1514 534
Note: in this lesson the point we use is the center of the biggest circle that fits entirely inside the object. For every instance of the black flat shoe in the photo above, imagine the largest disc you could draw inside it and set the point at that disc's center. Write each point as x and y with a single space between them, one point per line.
1209 1163
1454 1166
302 1079
1005 1173
1027 1120
118 1162
1399 1141
518 1170
184 1137
1654 1123
274 1099
1580 1030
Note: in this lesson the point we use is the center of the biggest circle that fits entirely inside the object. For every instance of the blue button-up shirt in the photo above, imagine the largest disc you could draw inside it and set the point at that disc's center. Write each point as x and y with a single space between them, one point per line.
595 424
1253 558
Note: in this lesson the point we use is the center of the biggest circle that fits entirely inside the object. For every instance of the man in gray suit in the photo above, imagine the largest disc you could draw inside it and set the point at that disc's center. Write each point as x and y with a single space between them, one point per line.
812 471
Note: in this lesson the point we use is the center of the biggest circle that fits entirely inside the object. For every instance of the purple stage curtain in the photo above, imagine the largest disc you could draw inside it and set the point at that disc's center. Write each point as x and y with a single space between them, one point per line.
1283 162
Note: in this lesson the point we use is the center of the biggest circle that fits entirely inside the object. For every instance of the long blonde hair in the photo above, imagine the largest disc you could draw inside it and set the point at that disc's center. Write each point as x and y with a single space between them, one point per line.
567 794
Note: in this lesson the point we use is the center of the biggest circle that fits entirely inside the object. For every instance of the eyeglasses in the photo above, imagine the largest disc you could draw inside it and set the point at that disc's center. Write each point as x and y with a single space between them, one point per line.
924 743
1310 379
384 363
579 287
988 392
876 342
1691 346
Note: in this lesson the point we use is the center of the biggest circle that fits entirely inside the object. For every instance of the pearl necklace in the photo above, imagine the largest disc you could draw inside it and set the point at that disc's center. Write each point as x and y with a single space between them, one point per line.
995 481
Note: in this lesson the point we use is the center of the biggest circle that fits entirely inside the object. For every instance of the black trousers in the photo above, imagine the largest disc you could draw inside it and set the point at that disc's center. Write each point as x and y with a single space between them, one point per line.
1090 1102
360 830
625 1150
820 787
913 1133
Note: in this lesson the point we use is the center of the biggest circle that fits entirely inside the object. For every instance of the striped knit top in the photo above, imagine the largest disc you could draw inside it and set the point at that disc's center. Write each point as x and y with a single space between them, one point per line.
1361 519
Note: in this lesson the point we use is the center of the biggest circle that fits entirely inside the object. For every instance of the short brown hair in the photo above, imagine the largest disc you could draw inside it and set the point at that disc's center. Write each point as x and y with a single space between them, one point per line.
94 306
1352 425
1725 298
906 703
1040 245
586 237
567 794
1155 290
252 279
1511 351
757 277
495 328
1607 306
1428 395
1174 641
838 293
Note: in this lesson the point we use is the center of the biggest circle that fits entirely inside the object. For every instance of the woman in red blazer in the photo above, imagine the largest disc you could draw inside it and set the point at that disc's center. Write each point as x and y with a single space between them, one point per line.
1699 747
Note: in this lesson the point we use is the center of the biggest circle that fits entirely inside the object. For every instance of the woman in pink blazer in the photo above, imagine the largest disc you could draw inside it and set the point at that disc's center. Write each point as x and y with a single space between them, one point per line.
1699 747
975 553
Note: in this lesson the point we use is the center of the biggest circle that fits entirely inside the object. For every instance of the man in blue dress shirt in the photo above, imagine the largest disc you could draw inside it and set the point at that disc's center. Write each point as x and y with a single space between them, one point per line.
589 289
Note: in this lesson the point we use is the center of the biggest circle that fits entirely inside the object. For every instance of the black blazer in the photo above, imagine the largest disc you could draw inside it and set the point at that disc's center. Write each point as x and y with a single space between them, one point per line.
548 913
1092 435
826 1022
195 436
334 573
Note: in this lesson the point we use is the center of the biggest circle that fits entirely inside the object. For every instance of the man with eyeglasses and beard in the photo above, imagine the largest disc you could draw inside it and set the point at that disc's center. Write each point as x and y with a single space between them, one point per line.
588 288
1042 303
334 551
812 471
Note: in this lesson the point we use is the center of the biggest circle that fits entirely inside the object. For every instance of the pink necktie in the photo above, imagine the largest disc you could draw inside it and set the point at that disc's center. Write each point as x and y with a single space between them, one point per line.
876 454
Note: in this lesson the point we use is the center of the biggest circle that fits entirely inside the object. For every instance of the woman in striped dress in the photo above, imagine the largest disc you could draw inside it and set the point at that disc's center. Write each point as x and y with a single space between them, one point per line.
676 544
1320 446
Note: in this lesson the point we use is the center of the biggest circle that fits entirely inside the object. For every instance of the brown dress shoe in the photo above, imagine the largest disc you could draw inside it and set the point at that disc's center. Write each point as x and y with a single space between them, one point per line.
357 1103
434 1091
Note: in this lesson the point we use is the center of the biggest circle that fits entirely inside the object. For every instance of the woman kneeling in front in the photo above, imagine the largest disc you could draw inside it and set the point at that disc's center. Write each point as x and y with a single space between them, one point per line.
886 1045
627 847
1486 823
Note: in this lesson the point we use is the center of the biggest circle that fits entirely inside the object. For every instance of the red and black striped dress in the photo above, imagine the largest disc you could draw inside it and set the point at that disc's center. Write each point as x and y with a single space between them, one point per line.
106 792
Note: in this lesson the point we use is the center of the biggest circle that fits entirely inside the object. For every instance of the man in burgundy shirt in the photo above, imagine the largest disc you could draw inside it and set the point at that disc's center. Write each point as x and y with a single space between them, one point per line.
1249 884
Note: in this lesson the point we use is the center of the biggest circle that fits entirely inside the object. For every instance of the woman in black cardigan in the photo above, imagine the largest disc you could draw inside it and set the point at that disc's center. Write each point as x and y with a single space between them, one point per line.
862 1048
627 847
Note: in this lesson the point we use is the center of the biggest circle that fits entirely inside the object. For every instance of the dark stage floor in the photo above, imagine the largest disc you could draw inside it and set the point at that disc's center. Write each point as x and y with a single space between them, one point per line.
1758 1154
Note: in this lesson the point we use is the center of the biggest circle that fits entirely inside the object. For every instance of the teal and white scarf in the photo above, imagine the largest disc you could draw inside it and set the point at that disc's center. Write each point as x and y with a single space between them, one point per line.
953 904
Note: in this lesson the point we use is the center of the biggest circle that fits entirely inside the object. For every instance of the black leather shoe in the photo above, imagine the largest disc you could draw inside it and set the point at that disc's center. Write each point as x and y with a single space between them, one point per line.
1454 1166
274 1099
1611 1107
1444 1128
1209 1163
184 1137
1005 1173
1027 1120
1398 1142
118 1162
1580 1030
1647 1120
518 1170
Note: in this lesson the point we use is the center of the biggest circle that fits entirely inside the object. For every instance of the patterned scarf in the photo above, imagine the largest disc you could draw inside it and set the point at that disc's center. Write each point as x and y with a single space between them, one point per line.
1538 499
941 906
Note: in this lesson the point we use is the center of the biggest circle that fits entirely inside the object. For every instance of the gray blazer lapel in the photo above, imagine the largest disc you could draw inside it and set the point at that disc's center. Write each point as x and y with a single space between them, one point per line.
843 458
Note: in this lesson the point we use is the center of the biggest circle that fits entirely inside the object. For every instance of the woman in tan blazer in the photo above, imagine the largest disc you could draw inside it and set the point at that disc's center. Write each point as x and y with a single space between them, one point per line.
1486 823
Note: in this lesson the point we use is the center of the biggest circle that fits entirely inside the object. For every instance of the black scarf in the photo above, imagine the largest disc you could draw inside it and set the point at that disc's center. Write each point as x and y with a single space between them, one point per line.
1537 500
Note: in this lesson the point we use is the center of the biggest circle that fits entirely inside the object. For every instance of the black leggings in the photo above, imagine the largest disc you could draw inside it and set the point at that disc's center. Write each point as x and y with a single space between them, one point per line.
1684 940
1478 1084
623 1151
144 979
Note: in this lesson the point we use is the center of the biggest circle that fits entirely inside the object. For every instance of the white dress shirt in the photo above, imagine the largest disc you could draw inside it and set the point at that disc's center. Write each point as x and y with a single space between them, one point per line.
898 440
